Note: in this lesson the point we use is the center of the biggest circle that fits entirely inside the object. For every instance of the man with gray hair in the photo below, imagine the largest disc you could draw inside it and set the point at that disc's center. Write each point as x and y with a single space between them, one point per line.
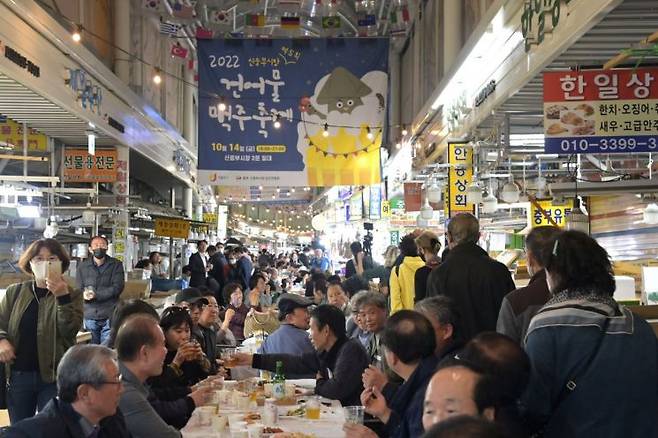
88 390
520 305
475 282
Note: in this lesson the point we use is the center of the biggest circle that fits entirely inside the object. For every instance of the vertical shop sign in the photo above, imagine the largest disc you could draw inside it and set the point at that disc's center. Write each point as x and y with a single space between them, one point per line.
601 111
120 238
460 158
386 209
222 222
556 211
412 196
356 207
121 187
375 202
395 237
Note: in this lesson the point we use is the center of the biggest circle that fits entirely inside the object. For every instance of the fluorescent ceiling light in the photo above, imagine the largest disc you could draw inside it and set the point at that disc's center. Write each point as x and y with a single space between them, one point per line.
526 140
28 211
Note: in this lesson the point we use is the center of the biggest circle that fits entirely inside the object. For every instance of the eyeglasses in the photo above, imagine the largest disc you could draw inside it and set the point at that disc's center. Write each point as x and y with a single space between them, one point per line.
119 381
52 258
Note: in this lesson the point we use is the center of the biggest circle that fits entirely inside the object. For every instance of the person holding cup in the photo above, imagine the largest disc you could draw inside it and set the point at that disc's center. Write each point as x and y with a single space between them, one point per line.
46 305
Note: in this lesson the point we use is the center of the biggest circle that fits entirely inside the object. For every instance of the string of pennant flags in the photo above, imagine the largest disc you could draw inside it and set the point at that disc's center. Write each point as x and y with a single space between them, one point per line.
225 21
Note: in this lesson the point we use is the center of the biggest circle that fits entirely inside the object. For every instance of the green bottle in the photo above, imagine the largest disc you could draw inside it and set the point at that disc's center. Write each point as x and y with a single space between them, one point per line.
279 382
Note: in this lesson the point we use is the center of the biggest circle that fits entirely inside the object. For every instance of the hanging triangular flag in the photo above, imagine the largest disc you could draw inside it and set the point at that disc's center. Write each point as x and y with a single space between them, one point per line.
256 20
178 51
219 16
346 156
290 22
151 5
203 34
167 28
331 22
179 10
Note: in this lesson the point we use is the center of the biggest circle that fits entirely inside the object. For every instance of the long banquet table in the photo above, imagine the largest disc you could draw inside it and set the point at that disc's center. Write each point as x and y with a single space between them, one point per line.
330 424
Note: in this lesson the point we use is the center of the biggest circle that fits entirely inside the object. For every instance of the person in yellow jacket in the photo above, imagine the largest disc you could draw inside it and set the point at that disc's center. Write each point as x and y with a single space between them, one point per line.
401 283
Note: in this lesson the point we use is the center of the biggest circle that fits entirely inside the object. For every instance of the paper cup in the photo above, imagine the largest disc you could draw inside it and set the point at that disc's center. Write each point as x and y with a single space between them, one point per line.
219 423
206 413
267 390
255 430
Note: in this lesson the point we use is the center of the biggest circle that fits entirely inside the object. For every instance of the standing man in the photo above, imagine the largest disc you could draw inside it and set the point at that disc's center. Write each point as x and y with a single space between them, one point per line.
320 262
199 265
475 282
520 305
244 266
305 257
101 279
218 271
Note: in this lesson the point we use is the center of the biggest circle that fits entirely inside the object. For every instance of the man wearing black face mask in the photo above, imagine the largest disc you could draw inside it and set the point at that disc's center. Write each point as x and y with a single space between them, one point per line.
101 279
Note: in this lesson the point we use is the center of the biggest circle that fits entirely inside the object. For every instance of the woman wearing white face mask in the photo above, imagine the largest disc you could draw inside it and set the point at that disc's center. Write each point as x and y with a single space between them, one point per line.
39 320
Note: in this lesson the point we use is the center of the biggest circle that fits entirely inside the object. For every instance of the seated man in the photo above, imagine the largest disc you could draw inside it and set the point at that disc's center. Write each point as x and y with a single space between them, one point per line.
458 388
336 296
88 390
356 326
291 336
140 345
338 361
409 349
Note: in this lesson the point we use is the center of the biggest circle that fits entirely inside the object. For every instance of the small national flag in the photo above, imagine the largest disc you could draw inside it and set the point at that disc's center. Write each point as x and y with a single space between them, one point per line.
191 64
203 34
170 29
289 22
178 51
257 20
403 14
180 10
365 20
331 22
151 5
219 16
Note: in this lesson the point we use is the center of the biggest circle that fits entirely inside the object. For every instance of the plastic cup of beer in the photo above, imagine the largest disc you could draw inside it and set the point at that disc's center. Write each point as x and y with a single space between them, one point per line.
313 408
353 414
228 356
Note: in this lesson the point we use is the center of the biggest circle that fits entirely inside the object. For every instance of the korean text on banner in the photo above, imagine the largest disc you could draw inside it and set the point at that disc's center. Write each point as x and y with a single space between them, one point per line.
460 158
375 202
176 228
80 166
11 137
293 112
601 111
557 211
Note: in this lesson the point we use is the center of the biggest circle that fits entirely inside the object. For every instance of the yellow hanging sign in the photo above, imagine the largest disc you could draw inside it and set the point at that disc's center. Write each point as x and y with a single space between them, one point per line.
176 228
460 158
11 137
556 211
386 209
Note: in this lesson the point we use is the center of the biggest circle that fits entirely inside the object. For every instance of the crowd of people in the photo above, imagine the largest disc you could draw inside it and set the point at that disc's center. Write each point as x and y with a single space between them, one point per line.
443 346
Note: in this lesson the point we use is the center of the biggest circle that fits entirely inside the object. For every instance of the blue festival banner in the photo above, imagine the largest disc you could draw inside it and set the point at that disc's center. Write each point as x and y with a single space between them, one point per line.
285 112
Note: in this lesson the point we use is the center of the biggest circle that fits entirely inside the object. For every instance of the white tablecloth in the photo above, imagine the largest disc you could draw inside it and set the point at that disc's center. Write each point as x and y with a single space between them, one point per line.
330 424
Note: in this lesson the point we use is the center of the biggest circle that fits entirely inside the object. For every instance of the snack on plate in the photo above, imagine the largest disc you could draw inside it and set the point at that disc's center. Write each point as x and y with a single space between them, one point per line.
252 417
571 118
587 109
553 111
286 401
272 430
555 129
293 435
297 412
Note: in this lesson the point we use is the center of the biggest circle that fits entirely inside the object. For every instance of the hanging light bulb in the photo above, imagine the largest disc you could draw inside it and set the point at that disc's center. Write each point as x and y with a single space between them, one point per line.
277 123
474 193
369 133
426 211
650 214
222 104
157 78
404 130
398 145
325 133
489 203
577 220
510 192
435 191
77 33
